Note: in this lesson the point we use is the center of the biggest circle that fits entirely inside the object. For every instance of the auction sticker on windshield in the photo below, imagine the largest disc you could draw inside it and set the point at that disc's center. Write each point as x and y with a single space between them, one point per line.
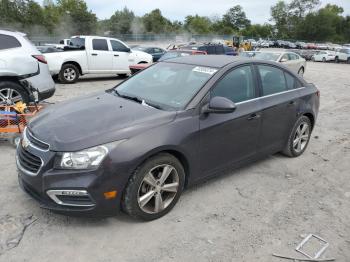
205 70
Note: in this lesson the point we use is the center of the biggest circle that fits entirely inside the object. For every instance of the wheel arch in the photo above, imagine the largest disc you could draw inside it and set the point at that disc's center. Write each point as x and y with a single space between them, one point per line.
74 63
178 154
311 117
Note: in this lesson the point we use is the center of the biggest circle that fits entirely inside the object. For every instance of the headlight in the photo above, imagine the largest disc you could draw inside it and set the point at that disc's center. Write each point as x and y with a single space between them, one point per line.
85 159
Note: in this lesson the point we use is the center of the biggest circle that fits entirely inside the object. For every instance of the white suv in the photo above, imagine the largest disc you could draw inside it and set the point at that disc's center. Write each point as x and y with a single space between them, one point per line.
343 55
24 74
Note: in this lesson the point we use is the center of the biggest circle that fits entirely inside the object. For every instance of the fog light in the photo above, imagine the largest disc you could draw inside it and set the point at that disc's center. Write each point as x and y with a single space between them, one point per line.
110 195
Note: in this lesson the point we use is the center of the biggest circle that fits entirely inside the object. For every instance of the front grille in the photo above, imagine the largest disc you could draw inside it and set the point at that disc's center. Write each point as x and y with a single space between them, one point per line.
36 142
28 161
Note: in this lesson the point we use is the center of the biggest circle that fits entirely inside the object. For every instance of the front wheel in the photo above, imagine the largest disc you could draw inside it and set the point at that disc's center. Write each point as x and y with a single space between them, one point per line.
12 93
299 137
154 188
69 74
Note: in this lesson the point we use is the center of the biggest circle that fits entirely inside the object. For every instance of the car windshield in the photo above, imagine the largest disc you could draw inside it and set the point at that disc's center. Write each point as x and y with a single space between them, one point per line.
268 56
77 41
167 86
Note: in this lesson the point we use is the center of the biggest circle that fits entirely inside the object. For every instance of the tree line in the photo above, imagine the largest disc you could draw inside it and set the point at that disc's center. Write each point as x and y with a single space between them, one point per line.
300 19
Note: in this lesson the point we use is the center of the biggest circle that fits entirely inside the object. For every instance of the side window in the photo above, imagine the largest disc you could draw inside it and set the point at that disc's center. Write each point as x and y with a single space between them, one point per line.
211 50
118 47
290 81
238 85
272 79
99 44
219 50
7 41
286 57
157 50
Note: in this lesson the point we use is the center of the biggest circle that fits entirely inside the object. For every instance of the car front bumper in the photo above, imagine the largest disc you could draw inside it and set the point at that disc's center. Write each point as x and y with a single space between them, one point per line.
95 183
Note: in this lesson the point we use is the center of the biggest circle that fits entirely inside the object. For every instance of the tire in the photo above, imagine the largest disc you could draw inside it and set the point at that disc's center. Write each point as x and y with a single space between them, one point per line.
313 59
123 75
12 92
69 74
348 61
137 187
301 71
324 60
290 147
337 59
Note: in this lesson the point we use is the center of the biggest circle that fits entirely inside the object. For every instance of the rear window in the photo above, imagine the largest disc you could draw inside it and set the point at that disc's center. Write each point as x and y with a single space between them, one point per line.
7 42
77 41
100 44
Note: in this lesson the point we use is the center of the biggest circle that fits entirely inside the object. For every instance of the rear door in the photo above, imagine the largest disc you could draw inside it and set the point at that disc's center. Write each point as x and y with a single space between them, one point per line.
100 56
229 138
120 56
279 101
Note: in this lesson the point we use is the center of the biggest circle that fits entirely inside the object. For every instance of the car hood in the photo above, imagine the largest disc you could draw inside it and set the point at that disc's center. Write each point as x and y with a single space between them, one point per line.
94 120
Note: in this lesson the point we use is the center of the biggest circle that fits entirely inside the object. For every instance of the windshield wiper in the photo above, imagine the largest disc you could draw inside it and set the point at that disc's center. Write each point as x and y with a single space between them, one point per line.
138 100
134 98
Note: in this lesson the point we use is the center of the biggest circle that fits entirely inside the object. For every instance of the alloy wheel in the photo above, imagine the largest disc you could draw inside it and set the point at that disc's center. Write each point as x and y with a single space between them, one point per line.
69 74
158 189
9 96
301 137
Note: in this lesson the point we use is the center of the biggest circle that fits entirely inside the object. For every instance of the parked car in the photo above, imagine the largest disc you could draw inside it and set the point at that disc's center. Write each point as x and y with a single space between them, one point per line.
249 54
292 60
172 125
24 74
343 55
322 46
155 52
209 48
94 55
311 46
308 54
230 51
324 56
168 55
301 45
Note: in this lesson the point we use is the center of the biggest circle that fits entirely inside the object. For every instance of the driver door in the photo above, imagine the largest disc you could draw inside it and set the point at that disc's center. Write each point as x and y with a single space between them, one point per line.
229 138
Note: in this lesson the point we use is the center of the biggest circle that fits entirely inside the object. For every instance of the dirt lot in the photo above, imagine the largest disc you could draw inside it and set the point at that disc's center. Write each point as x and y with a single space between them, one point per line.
244 215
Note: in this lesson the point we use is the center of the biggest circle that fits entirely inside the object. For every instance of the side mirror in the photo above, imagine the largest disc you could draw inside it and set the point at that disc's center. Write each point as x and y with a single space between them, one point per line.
127 50
219 105
283 60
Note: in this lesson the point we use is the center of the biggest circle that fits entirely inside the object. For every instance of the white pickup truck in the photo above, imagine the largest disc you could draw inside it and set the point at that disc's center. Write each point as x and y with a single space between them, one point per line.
343 55
94 55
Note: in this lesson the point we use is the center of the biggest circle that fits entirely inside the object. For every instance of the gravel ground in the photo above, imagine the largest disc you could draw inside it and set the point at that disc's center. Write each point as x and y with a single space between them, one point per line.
242 215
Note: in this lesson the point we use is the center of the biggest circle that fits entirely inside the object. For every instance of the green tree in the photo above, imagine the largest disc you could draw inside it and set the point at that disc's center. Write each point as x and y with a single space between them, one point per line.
301 8
236 18
121 21
280 16
197 24
155 22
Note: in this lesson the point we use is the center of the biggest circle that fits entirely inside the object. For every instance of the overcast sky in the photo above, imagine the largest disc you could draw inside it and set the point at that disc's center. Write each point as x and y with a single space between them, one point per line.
258 11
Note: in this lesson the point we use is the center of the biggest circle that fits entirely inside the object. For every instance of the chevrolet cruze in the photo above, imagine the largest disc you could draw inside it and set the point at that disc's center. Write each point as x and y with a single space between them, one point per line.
137 146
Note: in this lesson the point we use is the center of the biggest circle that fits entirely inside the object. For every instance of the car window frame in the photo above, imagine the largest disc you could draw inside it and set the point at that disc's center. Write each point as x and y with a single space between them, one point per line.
261 94
228 71
108 47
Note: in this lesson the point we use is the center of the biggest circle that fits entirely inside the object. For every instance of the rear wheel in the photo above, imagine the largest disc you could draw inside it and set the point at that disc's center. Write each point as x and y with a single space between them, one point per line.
11 93
69 74
299 137
301 71
154 188
337 59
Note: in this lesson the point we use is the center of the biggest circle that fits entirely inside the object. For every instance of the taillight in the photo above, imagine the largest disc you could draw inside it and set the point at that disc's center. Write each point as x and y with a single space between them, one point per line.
40 58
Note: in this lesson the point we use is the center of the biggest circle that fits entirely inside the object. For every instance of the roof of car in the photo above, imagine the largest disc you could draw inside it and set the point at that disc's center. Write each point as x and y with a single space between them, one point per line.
217 61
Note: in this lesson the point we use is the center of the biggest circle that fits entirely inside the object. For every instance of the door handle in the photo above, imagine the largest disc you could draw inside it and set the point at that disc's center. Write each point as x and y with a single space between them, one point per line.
116 55
94 54
253 116
291 103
